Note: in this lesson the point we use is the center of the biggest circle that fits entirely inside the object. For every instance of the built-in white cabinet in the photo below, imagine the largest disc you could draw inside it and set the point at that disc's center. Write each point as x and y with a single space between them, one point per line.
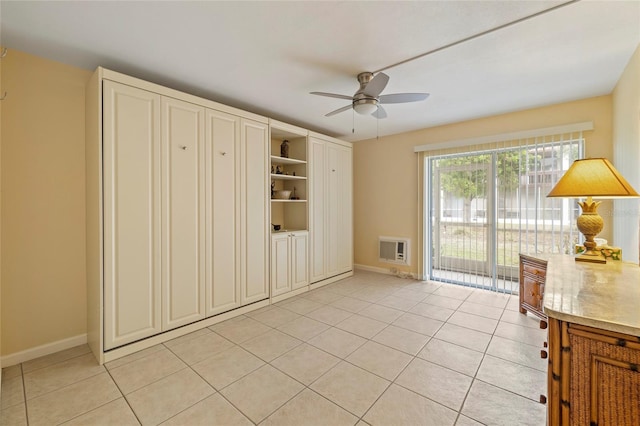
330 208
289 209
237 210
289 252
183 195
177 212
183 212
254 211
222 152
339 198
131 214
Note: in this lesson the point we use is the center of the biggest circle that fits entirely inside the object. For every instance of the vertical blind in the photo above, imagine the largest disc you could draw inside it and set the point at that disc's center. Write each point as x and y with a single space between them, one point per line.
485 203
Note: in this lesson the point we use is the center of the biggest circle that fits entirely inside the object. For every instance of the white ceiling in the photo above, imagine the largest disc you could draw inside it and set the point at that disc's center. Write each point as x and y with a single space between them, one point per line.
266 57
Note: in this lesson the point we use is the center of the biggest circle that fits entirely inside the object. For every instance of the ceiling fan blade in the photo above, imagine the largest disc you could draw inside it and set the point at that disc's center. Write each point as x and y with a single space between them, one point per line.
376 85
380 112
333 95
339 110
399 98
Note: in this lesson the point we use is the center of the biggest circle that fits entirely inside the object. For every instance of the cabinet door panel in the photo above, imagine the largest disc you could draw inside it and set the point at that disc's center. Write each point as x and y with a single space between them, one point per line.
254 212
333 211
317 207
131 168
183 212
531 293
299 260
604 378
280 278
222 140
345 215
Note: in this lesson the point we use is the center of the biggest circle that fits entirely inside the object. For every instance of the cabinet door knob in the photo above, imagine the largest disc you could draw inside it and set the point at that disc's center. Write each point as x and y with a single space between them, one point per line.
183 147
333 170
543 399
223 153
543 354
543 324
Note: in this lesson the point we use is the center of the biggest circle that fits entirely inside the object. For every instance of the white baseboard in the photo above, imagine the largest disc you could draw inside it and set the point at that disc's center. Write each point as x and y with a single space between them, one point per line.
42 350
373 269
382 270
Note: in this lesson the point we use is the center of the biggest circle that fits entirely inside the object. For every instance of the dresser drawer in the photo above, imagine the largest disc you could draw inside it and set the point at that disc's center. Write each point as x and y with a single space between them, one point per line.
533 273
537 270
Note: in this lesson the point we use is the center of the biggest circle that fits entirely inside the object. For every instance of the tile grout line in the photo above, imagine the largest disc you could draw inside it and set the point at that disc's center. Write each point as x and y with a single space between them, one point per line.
473 379
24 395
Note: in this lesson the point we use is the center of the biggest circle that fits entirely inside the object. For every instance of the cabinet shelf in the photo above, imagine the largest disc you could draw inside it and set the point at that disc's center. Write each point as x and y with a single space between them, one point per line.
287 231
282 160
287 177
276 200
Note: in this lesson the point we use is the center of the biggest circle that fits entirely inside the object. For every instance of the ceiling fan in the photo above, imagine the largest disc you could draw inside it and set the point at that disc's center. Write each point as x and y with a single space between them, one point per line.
368 100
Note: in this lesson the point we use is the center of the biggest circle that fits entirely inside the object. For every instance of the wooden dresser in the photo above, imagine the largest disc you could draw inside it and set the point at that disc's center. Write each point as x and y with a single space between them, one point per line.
533 272
594 345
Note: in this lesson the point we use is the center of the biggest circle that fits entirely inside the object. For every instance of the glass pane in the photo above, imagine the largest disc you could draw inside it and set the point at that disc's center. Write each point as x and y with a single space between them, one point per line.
461 226
488 208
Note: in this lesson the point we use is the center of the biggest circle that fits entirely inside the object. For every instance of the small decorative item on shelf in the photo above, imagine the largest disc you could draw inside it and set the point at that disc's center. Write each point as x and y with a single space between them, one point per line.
278 170
282 194
273 170
273 187
284 149
294 196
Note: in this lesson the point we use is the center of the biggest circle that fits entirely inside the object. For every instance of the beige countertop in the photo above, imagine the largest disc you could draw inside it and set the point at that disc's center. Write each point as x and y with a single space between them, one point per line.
605 296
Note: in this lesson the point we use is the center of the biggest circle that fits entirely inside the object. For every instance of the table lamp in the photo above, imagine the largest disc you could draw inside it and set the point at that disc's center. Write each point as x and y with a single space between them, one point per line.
591 178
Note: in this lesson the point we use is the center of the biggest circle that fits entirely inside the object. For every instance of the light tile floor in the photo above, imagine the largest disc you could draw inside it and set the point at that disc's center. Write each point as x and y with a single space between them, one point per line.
370 349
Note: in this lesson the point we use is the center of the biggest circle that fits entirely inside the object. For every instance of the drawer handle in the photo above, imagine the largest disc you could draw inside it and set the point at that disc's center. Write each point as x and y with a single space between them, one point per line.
543 354
543 325
543 399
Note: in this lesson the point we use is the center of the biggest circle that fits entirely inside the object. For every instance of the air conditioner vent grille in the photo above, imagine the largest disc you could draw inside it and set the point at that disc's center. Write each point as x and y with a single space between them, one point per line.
393 250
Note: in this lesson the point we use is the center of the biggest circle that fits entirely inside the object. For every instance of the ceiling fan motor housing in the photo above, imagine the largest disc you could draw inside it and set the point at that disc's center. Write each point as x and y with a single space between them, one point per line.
362 103
367 100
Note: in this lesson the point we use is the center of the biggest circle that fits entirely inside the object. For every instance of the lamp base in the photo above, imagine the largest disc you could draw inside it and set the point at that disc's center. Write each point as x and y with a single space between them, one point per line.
592 258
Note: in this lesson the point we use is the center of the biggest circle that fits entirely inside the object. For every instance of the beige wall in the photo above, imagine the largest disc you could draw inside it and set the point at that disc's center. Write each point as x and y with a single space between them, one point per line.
42 217
626 147
386 170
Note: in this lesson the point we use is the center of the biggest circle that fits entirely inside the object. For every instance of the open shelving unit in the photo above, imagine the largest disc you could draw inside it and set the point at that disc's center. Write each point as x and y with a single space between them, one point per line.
289 173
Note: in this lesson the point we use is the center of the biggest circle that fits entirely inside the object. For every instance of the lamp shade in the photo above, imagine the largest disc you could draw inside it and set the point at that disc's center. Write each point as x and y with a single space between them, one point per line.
592 177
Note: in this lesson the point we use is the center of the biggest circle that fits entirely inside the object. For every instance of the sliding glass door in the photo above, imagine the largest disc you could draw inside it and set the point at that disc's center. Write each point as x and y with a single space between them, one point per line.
460 228
485 208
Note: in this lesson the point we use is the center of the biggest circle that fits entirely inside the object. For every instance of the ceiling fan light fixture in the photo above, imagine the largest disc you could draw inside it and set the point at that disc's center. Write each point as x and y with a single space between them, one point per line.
365 106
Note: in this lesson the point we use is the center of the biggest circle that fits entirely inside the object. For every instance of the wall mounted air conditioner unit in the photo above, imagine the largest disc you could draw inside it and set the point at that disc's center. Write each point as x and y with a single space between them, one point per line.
394 250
